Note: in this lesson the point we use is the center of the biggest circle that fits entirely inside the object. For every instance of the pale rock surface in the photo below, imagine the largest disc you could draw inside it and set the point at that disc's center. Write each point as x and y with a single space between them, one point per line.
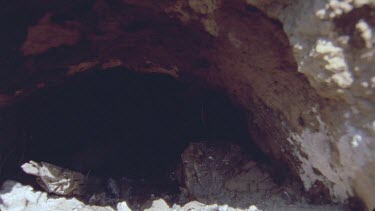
333 44
122 206
16 197
158 205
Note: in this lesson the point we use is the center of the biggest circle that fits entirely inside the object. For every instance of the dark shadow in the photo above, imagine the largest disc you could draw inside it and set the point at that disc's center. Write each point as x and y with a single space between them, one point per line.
119 123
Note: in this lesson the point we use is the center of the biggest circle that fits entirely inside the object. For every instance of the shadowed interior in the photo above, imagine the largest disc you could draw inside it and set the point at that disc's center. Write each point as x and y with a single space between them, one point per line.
120 123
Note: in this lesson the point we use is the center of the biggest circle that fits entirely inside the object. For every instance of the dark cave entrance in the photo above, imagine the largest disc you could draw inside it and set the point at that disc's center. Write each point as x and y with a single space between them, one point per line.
120 123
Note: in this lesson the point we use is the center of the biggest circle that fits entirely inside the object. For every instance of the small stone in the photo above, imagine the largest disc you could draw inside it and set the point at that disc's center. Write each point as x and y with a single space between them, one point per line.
253 208
158 205
122 206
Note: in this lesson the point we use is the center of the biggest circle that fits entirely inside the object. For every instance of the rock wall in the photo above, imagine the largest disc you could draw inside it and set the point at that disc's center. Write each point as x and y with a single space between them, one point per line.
333 44
302 70
332 129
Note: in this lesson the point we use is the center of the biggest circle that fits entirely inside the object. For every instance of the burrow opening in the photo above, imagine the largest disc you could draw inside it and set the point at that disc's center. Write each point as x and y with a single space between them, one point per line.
120 124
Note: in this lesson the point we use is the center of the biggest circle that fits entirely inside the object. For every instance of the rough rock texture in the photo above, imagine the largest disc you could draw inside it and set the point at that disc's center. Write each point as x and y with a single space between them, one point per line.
224 174
332 128
209 172
15 196
303 71
333 44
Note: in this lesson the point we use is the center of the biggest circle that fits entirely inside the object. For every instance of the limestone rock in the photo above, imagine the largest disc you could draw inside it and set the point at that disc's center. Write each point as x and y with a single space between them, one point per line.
15 196
333 44
158 205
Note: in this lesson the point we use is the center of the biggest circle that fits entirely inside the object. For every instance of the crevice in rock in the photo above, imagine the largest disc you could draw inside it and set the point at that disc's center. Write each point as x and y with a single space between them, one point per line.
124 125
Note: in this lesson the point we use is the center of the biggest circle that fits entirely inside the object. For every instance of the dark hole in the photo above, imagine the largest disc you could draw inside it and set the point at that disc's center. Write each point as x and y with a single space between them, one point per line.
114 123
119 123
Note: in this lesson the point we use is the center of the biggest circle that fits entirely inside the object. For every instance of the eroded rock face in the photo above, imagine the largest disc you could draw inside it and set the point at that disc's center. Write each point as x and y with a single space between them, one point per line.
222 173
302 70
333 44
